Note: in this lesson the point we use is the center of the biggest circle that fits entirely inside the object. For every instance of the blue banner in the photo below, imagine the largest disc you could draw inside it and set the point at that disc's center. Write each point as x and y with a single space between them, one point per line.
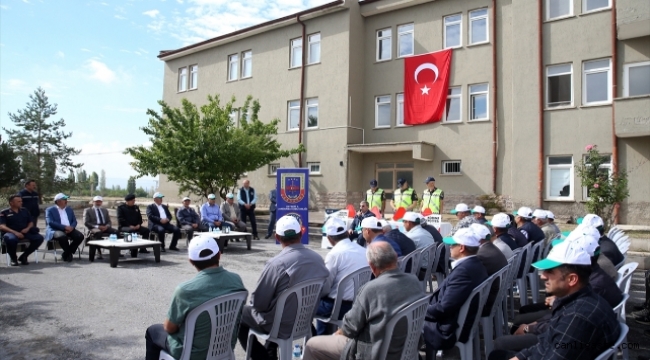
293 197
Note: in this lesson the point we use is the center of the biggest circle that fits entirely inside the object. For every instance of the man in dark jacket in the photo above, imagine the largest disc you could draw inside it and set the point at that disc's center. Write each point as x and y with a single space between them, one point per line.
404 242
159 222
189 220
363 213
129 219
31 200
607 246
493 260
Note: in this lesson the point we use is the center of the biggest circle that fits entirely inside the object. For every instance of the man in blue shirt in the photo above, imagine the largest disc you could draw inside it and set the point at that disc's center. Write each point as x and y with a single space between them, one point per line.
211 215
247 200
16 225
31 199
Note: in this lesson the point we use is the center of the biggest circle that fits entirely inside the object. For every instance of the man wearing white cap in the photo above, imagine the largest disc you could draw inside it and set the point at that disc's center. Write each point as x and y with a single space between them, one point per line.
607 246
212 281
441 319
540 218
582 324
61 224
551 220
345 258
97 220
293 265
523 219
211 215
188 219
230 213
372 229
159 222
492 259
502 239
420 237
464 219
479 214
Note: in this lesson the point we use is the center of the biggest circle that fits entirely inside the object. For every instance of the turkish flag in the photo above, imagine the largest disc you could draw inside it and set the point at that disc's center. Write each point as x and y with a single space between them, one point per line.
426 83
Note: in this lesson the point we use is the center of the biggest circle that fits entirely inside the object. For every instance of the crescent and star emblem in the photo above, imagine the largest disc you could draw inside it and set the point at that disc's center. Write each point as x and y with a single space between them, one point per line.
430 66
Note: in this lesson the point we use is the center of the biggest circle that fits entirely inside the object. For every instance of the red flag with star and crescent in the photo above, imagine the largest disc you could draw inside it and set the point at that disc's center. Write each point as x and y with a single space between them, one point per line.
426 83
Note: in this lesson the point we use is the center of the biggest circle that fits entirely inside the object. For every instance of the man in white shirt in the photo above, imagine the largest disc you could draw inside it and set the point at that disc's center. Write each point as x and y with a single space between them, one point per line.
345 258
420 237
61 224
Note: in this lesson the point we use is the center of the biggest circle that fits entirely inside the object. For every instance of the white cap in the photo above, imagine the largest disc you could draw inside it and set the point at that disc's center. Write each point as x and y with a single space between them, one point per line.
540 214
500 220
524 212
212 196
371 222
158 195
186 198
592 220
230 196
412 217
480 230
583 230
287 226
549 214
334 226
587 237
199 244
464 236
60 196
384 223
98 198
460 208
478 209
566 252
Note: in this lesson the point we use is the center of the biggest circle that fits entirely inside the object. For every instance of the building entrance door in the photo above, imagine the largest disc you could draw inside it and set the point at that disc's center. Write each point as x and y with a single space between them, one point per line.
387 175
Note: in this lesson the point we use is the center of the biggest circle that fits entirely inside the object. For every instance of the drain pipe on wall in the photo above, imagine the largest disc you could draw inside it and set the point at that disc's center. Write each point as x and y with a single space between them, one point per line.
615 213
302 86
494 97
540 75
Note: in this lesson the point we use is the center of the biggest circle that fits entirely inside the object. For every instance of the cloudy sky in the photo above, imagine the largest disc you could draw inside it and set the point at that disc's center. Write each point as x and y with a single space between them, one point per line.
97 61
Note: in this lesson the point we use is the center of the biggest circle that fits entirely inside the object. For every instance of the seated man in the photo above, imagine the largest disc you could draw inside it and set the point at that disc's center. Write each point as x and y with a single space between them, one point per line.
230 213
467 273
492 259
211 216
420 237
372 229
375 305
404 242
97 220
129 219
159 222
363 213
607 246
61 224
188 219
540 218
345 258
502 239
523 219
464 218
16 224
479 214
293 265
212 281
582 323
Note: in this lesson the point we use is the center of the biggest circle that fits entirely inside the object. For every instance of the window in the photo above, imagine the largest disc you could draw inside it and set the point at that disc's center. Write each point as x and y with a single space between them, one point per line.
314 48
233 67
234 117
388 173
636 79
294 115
399 99
246 64
384 44
314 167
273 169
596 82
405 40
453 30
559 85
593 5
605 169
194 77
478 26
478 102
296 52
559 177
558 9
451 167
382 111
311 113
453 108
182 79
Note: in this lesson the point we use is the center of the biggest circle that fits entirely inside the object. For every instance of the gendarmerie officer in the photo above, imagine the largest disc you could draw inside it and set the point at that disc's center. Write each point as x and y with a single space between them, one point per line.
31 200
129 219
17 225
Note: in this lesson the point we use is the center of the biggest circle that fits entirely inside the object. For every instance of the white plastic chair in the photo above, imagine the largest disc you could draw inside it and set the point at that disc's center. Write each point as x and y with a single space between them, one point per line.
307 294
440 248
620 264
625 276
22 244
358 278
620 312
414 259
494 321
610 353
533 276
428 253
527 259
224 312
55 247
414 314
512 274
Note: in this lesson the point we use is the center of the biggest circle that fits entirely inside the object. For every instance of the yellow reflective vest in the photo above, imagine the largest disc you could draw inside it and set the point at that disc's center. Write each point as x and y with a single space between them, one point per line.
403 198
431 200
374 199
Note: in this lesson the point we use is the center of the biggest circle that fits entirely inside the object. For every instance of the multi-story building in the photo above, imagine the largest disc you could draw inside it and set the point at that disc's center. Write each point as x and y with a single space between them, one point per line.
532 83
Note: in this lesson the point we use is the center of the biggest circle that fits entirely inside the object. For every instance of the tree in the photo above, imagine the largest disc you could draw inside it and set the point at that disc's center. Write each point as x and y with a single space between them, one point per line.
606 191
203 150
102 181
130 185
39 143
94 181
10 171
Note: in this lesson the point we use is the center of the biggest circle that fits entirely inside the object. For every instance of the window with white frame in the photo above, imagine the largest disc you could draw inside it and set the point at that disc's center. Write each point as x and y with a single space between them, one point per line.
453 31
234 117
382 111
313 55
399 100
311 112
636 79
451 167
246 64
558 9
296 53
559 177
273 169
182 79
233 67
605 169
453 108
293 115
478 26
194 77
594 5
384 51
559 85
478 102
314 167
405 40
596 82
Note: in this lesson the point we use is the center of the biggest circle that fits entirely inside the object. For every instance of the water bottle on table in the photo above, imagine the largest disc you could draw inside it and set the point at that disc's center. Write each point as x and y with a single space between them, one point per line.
297 353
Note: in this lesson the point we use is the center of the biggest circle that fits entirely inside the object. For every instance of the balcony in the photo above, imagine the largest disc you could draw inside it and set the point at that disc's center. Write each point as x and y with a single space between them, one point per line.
633 116
632 18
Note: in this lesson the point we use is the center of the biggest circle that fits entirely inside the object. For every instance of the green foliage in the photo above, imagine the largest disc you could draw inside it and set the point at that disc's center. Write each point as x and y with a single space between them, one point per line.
202 150
94 181
39 143
130 185
102 181
10 171
605 191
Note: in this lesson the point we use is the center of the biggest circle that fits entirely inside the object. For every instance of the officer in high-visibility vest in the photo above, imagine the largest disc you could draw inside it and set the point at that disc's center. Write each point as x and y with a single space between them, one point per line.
432 197
404 196
376 196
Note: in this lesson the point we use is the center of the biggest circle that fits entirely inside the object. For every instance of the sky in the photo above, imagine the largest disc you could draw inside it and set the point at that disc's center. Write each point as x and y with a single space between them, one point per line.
97 61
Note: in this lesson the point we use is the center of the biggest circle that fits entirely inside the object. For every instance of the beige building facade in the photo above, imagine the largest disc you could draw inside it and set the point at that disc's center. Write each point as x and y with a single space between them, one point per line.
532 83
